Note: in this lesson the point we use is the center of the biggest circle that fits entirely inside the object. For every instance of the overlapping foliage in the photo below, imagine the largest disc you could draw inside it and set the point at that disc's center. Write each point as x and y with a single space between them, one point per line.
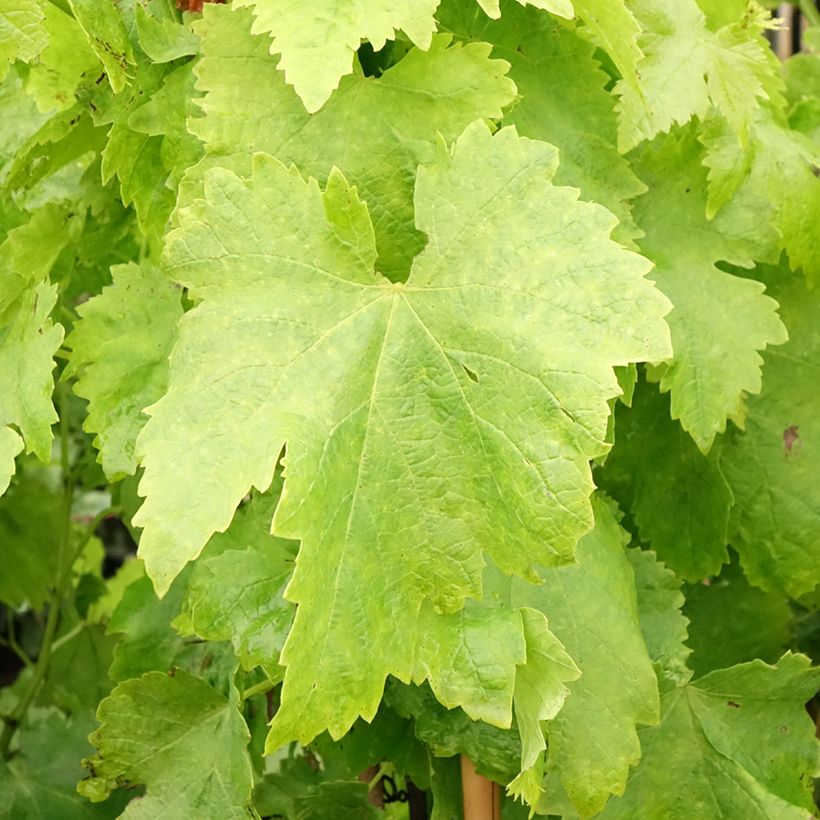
454 367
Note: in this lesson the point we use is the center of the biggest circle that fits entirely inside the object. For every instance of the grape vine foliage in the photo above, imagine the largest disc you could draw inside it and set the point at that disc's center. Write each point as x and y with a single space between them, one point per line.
390 386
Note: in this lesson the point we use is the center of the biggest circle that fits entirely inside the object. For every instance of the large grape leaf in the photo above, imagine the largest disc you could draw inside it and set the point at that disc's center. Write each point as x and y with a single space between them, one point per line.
181 739
772 468
561 100
719 321
120 346
677 496
592 608
396 119
687 67
317 38
736 743
401 404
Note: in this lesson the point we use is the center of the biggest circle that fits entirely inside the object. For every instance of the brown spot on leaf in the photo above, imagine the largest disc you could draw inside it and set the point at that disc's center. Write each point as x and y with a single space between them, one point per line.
791 436
733 704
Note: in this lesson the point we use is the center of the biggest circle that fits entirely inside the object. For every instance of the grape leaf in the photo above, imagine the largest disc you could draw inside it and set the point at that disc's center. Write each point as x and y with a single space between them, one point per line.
561 100
29 341
317 39
136 154
772 468
448 732
103 24
663 625
120 347
30 525
593 610
340 799
778 170
161 36
63 63
736 743
397 119
147 640
22 35
562 8
11 445
686 68
181 739
731 622
39 780
676 495
712 367
410 364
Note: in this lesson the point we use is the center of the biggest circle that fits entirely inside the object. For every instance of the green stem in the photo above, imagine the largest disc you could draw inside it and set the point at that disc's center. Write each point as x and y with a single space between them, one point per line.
258 689
809 10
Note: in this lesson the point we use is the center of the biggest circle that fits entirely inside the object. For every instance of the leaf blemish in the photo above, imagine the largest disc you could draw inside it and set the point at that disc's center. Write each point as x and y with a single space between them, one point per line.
791 436
473 376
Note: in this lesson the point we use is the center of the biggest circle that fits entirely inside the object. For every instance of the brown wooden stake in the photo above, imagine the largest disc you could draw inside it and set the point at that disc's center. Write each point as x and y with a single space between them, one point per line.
375 795
482 797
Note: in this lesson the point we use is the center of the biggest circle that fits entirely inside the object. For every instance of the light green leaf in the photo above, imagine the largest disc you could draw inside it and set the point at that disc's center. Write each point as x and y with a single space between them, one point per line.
181 739
720 321
19 119
397 119
161 35
11 445
736 743
29 341
687 68
561 100
65 61
370 375
317 38
135 157
772 468
120 348
778 171
22 36
561 8
103 24
663 625
677 496
731 621
165 114
611 25
592 609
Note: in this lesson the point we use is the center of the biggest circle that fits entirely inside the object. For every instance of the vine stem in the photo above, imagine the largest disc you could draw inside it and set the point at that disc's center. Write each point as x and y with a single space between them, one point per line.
258 689
48 644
